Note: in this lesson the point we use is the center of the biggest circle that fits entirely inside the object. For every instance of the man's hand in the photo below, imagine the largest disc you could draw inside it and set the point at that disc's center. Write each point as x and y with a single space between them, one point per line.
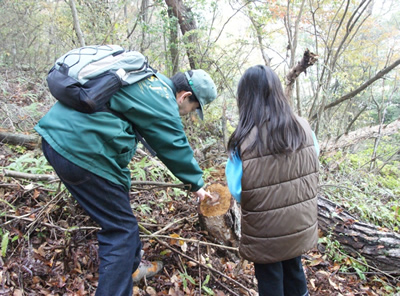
202 195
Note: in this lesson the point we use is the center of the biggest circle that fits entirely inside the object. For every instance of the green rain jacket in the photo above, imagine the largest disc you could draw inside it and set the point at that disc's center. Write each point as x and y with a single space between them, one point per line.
104 144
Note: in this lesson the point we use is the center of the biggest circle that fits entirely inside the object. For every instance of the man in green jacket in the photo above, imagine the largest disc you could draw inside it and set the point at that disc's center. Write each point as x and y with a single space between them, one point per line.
90 153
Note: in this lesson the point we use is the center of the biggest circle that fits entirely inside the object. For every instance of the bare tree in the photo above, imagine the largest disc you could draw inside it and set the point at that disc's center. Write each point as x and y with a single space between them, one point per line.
362 87
341 31
258 28
292 34
77 27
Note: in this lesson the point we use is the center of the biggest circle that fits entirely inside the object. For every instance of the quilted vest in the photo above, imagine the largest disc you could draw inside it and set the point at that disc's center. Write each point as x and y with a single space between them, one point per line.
279 202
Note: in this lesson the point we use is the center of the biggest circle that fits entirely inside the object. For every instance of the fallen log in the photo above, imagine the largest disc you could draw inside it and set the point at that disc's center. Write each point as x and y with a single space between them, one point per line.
358 136
380 247
28 141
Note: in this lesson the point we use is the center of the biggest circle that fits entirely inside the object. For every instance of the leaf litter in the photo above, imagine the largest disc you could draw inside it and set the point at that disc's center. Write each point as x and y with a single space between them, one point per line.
52 249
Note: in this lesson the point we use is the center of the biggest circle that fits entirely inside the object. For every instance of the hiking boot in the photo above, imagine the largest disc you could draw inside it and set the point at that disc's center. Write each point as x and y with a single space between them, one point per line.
146 269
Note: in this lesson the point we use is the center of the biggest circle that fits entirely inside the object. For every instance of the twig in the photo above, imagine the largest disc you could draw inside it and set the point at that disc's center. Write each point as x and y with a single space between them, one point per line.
192 259
157 184
18 218
191 240
338 186
42 210
48 177
33 177
198 256
203 265
70 229
168 226
8 185
225 287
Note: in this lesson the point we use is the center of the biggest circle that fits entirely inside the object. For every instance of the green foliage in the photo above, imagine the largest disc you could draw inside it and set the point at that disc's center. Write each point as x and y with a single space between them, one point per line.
138 172
143 208
204 286
151 170
30 163
362 186
18 149
207 172
347 263
391 290
4 241
185 277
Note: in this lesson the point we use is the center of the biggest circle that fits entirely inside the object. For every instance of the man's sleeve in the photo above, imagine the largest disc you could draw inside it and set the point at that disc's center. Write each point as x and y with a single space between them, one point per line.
167 137
152 109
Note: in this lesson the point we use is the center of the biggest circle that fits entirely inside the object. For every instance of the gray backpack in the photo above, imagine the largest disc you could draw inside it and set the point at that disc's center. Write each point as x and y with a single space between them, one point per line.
86 78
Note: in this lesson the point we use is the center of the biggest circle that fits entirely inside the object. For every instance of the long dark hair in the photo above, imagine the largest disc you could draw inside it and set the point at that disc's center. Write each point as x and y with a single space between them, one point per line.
261 101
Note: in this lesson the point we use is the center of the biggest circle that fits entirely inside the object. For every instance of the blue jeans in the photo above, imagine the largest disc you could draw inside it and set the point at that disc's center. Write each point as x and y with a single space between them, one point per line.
108 205
285 278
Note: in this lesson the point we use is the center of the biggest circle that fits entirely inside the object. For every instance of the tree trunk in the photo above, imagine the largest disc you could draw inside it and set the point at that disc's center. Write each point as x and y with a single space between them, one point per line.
173 43
378 246
292 45
77 27
145 19
222 220
187 23
258 29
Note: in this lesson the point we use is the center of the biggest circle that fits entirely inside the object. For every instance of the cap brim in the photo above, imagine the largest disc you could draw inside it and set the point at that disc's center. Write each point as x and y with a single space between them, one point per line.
200 112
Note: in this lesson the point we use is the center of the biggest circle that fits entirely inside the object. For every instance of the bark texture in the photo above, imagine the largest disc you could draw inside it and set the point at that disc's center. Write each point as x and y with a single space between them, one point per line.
187 24
380 247
28 141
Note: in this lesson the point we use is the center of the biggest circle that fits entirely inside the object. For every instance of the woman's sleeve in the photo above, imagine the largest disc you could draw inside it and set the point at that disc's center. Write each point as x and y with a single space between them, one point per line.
315 142
234 172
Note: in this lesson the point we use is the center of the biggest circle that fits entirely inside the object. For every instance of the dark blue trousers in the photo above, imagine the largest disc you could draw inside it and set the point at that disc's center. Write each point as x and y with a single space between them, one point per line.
285 278
108 205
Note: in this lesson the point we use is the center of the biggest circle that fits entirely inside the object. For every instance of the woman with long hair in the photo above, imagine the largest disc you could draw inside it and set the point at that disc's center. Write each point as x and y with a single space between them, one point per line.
272 171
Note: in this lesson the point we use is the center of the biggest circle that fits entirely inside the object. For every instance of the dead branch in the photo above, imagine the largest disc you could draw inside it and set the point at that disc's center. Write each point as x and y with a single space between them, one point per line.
31 177
195 241
308 60
51 178
198 262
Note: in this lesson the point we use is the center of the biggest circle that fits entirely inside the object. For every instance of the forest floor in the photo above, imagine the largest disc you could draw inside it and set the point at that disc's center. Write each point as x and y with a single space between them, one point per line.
52 248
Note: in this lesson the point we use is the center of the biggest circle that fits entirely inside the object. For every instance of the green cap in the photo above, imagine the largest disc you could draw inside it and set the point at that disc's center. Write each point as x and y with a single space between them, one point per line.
203 87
